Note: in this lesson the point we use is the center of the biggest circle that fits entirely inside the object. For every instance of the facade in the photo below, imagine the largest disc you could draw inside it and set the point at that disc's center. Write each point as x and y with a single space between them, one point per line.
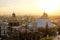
3 28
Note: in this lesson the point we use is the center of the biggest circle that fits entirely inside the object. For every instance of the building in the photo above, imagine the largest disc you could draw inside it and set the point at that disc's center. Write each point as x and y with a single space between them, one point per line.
41 22
13 21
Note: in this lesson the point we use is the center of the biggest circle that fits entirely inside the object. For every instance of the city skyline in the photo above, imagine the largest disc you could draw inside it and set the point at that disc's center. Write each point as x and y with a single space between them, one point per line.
29 7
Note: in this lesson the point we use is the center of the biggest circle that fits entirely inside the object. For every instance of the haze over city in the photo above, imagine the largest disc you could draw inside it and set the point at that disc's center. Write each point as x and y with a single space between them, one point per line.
32 7
29 19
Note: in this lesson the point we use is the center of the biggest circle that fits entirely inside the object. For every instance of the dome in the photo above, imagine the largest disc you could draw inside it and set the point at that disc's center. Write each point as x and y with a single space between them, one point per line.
13 21
13 18
41 22
44 16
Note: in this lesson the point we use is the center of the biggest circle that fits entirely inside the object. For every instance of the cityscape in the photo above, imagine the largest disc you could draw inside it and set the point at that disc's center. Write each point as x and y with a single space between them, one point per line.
30 20
28 27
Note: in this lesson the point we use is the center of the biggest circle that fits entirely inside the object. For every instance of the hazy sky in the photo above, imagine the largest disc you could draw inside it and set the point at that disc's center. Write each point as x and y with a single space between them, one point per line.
32 7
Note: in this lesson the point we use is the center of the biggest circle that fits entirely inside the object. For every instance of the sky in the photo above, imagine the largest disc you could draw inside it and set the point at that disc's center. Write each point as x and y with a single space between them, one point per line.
29 7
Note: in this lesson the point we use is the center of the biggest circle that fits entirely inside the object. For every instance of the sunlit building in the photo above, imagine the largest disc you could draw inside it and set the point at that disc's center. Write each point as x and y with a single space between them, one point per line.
13 21
41 22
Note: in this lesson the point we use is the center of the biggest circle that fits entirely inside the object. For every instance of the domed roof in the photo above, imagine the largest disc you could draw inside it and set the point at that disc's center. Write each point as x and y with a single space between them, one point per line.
13 18
44 16
41 22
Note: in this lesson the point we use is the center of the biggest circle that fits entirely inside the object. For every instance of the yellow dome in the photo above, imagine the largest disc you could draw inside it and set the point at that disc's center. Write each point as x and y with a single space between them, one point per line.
13 18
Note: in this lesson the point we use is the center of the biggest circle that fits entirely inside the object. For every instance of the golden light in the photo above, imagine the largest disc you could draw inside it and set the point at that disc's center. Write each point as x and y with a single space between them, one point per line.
48 5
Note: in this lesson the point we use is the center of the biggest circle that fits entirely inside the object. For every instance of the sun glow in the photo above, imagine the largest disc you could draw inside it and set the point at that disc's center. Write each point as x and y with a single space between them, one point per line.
48 5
